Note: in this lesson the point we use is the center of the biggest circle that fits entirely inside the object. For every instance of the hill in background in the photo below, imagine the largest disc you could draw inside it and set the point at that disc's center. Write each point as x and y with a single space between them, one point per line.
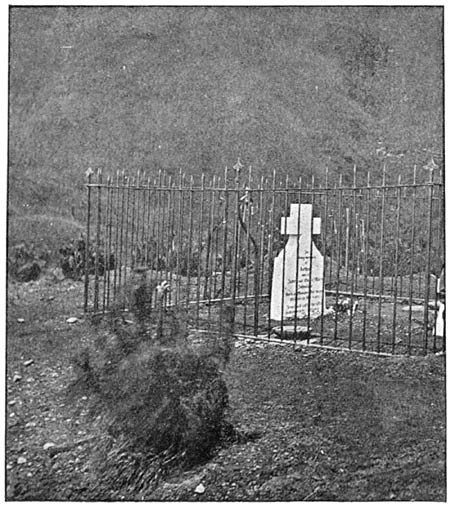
149 88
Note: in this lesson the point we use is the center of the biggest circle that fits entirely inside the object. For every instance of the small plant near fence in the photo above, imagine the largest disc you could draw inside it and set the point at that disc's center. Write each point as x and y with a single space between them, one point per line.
75 256
26 262
162 400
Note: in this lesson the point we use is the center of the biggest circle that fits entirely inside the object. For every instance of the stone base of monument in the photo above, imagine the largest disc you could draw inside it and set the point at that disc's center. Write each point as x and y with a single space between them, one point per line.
290 332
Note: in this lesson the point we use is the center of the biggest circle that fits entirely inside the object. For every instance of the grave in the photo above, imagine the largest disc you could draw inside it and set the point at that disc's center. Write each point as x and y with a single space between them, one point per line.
297 283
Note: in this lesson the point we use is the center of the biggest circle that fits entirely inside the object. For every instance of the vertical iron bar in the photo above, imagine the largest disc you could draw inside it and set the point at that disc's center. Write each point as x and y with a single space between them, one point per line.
190 240
395 295
247 199
130 182
427 277
365 261
141 242
259 259
148 237
340 219
132 239
224 246
324 245
87 245
153 243
381 261
121 234
179 238
209 245
107 248
312 199
412 257
116 239
173 245
284 255
97 250
347 241
351 253
157 216
216 248
298 233
167 229
246 274
270 248
199 259
236 232
209 263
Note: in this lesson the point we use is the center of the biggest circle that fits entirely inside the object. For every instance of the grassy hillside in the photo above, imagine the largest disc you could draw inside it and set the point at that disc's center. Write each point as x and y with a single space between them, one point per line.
291 88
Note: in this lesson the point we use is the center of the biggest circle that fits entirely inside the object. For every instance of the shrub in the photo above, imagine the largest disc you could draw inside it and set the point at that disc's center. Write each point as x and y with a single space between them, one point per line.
73 259
161 401
26 261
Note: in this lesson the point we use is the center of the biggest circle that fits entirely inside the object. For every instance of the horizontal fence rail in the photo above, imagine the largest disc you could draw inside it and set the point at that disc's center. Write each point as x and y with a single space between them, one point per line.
362 274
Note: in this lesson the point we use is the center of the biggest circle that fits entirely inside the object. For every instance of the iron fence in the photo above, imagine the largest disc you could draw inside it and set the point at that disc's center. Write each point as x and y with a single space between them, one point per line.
215 240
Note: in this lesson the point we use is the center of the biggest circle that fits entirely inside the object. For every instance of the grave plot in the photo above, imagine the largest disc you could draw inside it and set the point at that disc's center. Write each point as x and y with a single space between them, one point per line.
356 266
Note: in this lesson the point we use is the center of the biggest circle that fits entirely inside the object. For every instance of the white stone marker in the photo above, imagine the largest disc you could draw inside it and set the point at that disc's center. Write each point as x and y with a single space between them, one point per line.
310 271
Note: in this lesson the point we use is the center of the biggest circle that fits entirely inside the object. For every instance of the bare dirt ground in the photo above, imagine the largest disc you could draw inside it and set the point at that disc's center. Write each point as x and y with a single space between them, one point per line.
328 425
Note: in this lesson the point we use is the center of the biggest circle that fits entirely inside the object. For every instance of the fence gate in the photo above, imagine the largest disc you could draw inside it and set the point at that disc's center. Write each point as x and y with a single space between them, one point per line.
350 264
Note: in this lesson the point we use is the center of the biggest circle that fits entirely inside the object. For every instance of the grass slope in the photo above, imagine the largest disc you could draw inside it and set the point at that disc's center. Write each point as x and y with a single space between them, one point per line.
147 88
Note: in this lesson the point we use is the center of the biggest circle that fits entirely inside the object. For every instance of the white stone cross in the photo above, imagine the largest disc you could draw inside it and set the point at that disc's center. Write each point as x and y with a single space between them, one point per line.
297 284
296 225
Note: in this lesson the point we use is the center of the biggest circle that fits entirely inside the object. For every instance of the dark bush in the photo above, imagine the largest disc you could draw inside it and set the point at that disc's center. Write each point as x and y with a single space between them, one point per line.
73 260
162 400
25 262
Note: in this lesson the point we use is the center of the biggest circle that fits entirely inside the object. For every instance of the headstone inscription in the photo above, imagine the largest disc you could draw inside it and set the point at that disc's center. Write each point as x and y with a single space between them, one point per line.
297 283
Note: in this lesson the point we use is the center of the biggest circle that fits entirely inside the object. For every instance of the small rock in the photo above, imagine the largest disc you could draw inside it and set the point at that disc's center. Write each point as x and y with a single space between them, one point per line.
21 460
12 402
200 489
9 466
48 446
29 362
20 321
72 320
17 378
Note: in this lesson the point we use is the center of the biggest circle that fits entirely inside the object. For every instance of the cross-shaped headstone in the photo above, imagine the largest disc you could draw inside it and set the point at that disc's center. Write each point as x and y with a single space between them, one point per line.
297 285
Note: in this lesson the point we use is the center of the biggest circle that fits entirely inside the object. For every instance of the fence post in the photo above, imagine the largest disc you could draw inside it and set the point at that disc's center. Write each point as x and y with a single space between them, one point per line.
88 231
427 275
96 262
